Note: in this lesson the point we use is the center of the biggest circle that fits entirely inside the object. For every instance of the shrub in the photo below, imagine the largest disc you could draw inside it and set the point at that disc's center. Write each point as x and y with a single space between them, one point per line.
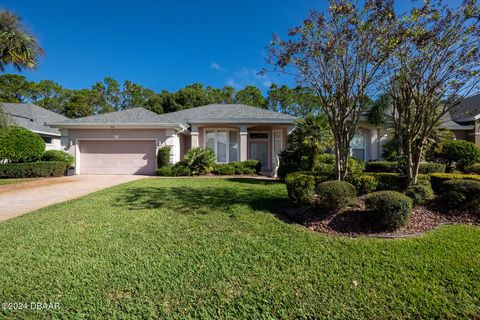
364 183
461 194
390 181
252 164
20 145
381 166
391 209
33 169
460 152
420 193
325 166
438 179
290 161
431 167
58 155
224 169
163 157
300 188
180 169
165 171
474 168
336 195
200 160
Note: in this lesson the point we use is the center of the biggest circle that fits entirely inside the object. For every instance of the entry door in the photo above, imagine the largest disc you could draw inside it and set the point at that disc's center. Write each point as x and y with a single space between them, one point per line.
259 151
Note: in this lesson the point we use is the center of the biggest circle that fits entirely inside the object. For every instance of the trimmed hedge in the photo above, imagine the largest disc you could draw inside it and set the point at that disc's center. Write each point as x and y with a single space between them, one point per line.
364 183
33 169
391 209
474 168
300 188
461 194
335 195
163 157
420 193
390 181
58 155
177 170
252 164
20 145
438 179
223 169
393 167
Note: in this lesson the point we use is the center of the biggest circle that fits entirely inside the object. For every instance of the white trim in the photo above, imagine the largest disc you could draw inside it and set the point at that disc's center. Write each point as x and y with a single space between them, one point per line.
117 125
78 140
228 141
267 140
46 133
273 144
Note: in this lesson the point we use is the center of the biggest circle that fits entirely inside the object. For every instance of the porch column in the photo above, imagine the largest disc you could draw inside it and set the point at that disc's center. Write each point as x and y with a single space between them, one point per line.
173 141
374 143
194 135
243 143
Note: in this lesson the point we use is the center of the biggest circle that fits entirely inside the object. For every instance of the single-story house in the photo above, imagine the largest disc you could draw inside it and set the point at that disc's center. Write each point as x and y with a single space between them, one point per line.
34 118
126 142
464 120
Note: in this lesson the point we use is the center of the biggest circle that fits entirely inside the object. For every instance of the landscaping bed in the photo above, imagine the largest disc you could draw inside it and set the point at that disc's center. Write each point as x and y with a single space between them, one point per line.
356 221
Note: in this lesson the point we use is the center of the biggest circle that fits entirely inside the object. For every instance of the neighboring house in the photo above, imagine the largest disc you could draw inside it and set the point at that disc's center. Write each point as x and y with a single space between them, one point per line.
126 142
464 120
34 118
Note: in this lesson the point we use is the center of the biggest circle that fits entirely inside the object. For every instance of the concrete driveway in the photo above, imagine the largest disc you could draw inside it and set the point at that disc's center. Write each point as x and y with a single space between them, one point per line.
20 198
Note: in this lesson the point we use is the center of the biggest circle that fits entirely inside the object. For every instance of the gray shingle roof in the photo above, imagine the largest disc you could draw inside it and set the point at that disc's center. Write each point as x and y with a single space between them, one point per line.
468 110
448 123
129 116
33 117
228 113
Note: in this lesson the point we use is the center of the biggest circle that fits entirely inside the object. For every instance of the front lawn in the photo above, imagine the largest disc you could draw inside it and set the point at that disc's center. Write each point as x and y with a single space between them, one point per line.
12 181
214 248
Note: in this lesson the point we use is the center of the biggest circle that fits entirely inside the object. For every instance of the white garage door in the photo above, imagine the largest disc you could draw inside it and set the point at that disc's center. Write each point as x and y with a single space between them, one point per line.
117 156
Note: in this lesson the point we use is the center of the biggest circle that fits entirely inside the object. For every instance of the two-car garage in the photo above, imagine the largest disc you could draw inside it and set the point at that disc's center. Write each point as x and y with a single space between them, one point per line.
116 157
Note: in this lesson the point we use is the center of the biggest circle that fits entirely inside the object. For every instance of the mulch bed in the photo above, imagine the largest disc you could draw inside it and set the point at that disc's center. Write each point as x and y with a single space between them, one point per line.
356 221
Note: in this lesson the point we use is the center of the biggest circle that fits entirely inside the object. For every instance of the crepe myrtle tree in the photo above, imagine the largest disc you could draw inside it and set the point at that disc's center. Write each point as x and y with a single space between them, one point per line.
339 55
435 66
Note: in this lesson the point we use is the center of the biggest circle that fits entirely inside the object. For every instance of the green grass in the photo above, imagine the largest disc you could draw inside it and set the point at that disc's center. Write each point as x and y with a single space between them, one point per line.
12 181
214 248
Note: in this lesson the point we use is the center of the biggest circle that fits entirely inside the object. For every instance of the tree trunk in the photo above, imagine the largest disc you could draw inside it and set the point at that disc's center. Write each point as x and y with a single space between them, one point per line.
341 160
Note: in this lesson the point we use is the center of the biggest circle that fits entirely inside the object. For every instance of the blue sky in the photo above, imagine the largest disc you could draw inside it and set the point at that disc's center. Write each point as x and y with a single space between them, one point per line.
159 44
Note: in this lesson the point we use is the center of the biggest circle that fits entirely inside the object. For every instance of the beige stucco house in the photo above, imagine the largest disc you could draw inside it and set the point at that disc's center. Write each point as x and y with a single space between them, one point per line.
126 142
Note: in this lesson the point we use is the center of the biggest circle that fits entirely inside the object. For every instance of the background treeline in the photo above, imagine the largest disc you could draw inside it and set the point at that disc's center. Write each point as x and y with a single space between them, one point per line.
110 95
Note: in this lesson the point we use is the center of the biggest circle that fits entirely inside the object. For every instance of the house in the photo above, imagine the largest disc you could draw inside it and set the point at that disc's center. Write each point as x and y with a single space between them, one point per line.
34 118
464 120
126 142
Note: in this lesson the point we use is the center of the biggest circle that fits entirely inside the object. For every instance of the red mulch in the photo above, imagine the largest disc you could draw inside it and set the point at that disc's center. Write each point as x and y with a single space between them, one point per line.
356 221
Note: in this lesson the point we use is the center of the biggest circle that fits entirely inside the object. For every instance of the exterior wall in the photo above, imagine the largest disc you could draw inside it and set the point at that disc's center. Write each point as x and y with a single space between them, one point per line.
55 145
71 137
185 144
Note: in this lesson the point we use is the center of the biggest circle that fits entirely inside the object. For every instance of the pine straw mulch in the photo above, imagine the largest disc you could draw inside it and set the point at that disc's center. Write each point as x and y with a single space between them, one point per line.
357 221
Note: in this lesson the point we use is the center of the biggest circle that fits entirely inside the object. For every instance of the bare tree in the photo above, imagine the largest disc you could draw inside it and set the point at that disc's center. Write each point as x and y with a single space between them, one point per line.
340 57
431 72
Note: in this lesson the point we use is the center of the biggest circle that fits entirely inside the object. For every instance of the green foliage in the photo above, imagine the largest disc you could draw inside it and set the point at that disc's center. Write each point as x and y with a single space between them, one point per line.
474 168
431 167
381 166
336 195
438 179
33 169
20 145
420 193
460 153
363 183
251 96
224 169
390 181
300 188
391 209
252 164
180 169
290 161
58 155
19 48
376 113
164 171
461 194
163 157
391 150
200 160
436 143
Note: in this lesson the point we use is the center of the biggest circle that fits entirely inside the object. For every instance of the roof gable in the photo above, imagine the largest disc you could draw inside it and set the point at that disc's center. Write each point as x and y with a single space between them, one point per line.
33 117
467 110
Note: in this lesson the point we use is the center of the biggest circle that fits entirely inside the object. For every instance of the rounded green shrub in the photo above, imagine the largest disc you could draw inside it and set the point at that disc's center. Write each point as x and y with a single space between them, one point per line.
474 168
364 183
336 195
469 189
200 160
391 209
224 169
255 165
431 167
452 200
460 152
420 193
438 180
180 169
20 145
300 188
58 155
33 169
163 157
165 171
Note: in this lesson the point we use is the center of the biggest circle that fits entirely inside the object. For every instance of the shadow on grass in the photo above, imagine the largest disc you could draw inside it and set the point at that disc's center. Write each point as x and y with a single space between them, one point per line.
188 200
253 181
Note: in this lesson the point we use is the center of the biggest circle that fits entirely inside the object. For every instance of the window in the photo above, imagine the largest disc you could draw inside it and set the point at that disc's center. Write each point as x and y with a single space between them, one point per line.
47 140
224 143
358 146
259 136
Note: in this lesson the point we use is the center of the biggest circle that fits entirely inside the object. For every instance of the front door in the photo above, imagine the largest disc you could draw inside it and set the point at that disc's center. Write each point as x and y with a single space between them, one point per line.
259 151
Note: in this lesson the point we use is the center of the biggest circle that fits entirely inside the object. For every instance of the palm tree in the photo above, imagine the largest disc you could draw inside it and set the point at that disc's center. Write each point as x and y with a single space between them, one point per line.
17 46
